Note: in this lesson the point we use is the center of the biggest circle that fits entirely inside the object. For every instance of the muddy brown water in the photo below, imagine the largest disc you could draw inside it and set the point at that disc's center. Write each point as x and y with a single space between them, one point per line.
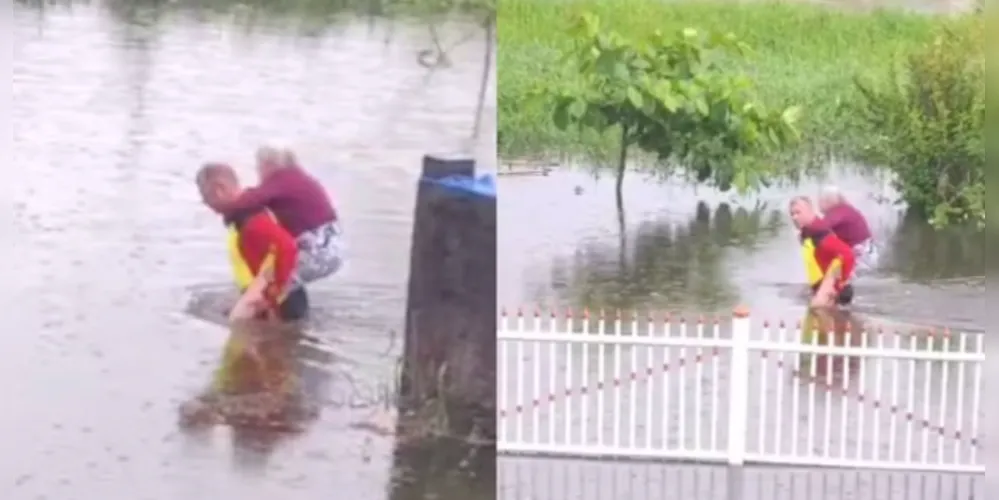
696 251
111 116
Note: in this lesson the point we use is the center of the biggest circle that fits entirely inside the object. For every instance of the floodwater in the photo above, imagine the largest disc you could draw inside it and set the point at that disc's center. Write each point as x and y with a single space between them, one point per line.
697 252
526 478
112 114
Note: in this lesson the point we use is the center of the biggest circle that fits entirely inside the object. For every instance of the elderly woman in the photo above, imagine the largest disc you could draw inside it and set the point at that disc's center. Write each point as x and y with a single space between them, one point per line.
850 225
300 203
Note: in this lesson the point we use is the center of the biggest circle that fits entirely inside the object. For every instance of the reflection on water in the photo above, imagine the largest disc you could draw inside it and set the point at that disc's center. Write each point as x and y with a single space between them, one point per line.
666 266
700 251
918 252
444 470
831 328
113 110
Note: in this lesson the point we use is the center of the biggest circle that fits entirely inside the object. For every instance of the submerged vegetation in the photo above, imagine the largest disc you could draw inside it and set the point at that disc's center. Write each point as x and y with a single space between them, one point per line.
897 89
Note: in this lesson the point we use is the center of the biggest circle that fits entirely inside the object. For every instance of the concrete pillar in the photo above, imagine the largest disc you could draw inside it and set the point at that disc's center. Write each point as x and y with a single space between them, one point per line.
445 470
449 360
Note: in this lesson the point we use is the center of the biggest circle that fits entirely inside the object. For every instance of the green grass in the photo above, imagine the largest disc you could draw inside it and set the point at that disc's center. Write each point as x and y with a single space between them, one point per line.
802 55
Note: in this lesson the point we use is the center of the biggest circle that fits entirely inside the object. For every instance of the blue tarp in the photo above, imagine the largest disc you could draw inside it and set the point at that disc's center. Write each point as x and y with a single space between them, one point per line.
483 185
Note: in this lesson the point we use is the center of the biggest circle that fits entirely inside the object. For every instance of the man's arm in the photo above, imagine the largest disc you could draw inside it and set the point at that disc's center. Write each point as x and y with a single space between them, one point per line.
834 219
841 268
265 229
254 198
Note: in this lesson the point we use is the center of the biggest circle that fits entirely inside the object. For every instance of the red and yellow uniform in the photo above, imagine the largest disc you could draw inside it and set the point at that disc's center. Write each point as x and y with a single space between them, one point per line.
823 252
258 243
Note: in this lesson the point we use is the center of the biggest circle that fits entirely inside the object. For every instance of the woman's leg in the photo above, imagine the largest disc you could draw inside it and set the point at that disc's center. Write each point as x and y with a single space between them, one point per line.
320 253
866 254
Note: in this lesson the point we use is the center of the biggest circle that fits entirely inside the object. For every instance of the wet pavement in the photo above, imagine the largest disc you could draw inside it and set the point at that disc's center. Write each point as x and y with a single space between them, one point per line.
112 113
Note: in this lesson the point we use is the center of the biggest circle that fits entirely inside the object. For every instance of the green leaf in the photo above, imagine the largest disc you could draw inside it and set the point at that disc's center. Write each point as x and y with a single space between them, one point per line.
560 115
621 71
741 180
791 115
663 91
635 97
701 105
774 138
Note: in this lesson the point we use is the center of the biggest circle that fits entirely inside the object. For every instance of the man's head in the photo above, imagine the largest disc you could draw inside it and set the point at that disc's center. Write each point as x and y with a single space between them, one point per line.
830 197
802 211
217 183
271 158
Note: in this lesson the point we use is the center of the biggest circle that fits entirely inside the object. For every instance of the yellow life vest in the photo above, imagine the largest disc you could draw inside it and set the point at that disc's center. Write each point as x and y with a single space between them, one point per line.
241 271
812 270
243 276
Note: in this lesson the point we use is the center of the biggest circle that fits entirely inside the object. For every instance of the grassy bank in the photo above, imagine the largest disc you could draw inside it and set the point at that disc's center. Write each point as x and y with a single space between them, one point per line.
802 55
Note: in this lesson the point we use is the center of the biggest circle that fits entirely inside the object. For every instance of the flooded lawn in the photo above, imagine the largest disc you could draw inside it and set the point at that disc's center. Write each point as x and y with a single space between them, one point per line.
697 251
112 115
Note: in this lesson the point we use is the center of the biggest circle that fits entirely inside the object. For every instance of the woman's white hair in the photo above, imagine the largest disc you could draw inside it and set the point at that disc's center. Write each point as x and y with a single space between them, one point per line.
277 156
833 193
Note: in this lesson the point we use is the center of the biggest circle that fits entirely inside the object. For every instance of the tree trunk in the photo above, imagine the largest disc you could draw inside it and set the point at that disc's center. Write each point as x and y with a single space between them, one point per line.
619 191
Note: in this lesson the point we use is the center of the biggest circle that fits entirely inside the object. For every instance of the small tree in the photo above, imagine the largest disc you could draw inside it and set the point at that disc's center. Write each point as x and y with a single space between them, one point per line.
670 96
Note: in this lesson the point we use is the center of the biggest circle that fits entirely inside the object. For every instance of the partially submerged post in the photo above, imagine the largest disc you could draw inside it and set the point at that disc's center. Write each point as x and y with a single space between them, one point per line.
449 364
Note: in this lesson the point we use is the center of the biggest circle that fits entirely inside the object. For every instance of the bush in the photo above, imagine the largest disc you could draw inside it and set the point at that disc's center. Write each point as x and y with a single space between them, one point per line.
928 125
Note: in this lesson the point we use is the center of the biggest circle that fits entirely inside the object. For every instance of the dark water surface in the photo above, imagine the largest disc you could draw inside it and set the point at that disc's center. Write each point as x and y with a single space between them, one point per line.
112 114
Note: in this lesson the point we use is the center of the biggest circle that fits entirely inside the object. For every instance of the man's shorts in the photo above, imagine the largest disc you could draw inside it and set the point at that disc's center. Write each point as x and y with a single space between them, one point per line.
843 298
295 306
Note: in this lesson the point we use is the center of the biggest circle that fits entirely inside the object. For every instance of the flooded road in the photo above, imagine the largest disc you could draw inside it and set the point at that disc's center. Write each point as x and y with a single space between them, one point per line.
699 252
112 115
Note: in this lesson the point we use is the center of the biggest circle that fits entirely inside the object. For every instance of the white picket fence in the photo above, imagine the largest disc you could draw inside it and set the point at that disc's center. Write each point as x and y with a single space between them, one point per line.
735 391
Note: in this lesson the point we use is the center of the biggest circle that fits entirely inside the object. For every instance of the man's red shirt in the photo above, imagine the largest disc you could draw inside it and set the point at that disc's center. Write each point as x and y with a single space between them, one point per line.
828 248
260 235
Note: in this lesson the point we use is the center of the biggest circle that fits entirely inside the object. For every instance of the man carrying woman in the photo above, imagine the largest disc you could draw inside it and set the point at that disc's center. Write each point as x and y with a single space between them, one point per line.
294 200
828 260
283 234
